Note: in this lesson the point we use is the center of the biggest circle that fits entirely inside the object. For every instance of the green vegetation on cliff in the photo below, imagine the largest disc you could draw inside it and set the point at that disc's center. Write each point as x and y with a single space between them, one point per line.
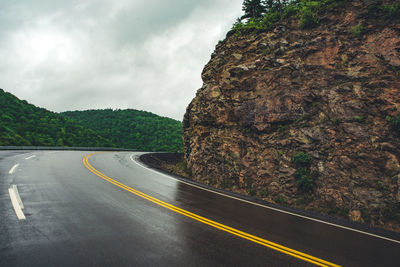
305 11
263 15
394 122
133 128
24 124
305 178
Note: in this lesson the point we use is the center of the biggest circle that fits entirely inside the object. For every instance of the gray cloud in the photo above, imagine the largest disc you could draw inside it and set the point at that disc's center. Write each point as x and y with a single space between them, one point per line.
67 55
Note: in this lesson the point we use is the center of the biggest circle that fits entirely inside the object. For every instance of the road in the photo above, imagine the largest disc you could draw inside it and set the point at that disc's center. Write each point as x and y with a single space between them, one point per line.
106 209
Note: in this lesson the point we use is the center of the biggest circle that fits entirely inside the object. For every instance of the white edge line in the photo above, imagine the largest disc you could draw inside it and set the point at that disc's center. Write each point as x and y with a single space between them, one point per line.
267 207
13 169
31 157
15 188
16 206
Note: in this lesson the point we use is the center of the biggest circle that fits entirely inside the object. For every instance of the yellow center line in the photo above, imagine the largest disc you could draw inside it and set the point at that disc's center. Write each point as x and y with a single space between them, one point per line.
236 232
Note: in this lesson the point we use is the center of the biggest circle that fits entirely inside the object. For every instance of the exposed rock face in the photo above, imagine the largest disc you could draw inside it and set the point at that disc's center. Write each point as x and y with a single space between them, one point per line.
325 92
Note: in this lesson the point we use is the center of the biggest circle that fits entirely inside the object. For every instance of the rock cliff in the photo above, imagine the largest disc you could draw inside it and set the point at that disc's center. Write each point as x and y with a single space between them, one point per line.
325 95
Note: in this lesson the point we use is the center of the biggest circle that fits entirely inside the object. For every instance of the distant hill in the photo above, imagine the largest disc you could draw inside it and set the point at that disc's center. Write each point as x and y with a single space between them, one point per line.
133 128
22 123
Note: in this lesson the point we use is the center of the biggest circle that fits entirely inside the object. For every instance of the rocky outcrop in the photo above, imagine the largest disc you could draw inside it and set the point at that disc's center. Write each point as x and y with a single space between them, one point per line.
326 92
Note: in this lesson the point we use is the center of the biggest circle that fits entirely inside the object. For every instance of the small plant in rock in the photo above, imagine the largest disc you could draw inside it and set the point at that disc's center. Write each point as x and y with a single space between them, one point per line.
394 122
281 128
251 191
359 119
264 193
381 186
280 199
392 11
302 159
305 180
358 30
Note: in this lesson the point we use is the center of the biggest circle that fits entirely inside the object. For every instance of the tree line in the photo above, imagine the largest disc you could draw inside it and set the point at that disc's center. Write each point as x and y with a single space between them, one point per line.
132 128
23 124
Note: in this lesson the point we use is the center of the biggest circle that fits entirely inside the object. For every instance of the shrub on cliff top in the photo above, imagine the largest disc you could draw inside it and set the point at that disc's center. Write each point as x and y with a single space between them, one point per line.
265 14
308 18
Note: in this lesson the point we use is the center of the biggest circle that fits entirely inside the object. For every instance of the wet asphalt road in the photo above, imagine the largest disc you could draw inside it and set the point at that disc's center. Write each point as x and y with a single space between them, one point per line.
75 218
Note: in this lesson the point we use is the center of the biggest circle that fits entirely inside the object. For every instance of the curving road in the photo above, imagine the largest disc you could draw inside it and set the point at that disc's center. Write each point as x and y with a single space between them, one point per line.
106 209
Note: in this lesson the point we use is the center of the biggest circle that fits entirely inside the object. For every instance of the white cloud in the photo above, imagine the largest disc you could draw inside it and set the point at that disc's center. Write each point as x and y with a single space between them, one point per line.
145 55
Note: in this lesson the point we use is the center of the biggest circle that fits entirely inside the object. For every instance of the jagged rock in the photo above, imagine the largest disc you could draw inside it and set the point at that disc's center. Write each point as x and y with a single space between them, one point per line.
271 94
238 56
355 215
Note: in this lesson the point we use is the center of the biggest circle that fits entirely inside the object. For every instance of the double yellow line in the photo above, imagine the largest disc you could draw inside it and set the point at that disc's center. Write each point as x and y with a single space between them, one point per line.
255 239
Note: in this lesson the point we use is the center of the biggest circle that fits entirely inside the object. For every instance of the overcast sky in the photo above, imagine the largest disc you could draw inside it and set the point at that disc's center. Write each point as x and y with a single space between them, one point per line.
143 54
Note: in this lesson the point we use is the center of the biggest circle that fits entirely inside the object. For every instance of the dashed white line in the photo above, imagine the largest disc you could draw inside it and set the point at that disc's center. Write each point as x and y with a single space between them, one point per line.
15 188
31 157
15 199
267 207
13 169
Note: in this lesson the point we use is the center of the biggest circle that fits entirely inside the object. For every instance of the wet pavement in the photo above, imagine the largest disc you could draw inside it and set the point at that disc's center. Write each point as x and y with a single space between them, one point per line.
77 218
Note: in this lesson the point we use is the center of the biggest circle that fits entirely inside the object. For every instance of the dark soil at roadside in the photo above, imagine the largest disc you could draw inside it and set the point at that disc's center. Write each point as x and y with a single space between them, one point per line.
168 162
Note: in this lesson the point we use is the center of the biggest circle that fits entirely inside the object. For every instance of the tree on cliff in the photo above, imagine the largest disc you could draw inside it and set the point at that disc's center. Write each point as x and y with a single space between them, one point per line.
253 9
256 9
271 5
276 5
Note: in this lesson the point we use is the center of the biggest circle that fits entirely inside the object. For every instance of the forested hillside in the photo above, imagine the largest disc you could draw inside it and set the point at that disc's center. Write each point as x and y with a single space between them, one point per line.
22 123
133 128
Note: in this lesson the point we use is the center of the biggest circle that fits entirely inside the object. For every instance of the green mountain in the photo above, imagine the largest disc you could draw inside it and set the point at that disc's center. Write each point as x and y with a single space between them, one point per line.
22 123
133 128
